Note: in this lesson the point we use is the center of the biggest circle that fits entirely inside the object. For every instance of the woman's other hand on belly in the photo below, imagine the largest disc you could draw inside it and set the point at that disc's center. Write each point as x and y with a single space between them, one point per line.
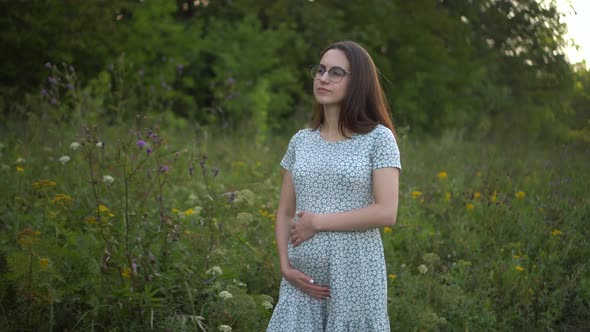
306 284
304 229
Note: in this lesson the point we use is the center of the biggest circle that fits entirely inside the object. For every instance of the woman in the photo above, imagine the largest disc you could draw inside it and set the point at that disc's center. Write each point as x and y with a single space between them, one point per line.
340 185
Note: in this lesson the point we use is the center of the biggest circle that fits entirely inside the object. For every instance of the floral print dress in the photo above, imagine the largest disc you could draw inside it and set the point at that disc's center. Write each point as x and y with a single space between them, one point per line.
335 177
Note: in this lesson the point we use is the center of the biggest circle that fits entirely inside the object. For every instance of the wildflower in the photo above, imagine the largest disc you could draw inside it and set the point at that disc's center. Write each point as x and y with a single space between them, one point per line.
516 256
164 169
28 237
416 194
44 262
126 273
189 212
519 194
61 199
224 328
52 80
148 151
175 211
519 268
74 145
47 64
225 295
141 143
191 171
469 207
477 195
494 197
100 145
422 268
246 196
53 101
20 160
267 305
102 208
64 159
108 179
244 218
20 169
90 220
442 175
403 266
44 183
392 276
215 271
555 232
70 86
387 230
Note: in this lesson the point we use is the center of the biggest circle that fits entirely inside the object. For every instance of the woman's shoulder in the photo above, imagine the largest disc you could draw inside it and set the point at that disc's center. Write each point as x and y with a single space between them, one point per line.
380 131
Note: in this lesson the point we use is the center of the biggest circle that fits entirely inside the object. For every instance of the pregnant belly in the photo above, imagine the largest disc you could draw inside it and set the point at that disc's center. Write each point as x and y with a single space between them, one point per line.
312 257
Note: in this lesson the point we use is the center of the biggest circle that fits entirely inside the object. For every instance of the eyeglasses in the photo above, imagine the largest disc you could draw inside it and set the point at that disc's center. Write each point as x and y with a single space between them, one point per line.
335 74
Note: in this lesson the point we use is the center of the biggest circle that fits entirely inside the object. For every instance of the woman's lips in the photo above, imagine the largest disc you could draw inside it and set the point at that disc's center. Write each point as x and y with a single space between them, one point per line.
322 90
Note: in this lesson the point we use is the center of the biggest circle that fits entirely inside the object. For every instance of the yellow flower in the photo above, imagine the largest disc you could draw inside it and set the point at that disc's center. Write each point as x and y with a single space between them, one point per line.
519 268
469 207
494 197
102 208
387 230
442 175
175 211
28 237
20 169
90 220
126 273
448 196
44 183
516 256
189 212
392 276
61 198
555 232
416 194
519 194
44 262
187 232
477 195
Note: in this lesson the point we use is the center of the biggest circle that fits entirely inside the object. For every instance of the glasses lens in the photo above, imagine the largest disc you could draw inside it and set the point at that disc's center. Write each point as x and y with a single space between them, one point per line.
336 74
317 71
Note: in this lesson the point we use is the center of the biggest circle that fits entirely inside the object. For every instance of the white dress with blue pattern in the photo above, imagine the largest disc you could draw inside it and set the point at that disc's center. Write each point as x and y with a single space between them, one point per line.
334 177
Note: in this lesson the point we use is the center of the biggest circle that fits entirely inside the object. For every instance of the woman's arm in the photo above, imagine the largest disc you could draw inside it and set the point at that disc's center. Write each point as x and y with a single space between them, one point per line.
382 213
285 214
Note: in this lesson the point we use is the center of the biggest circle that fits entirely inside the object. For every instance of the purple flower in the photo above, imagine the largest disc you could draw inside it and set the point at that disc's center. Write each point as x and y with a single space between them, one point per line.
43 92
164 168
191 170
53 101
70 86
215 172
47 64
52 80
148 151
141 143
154 138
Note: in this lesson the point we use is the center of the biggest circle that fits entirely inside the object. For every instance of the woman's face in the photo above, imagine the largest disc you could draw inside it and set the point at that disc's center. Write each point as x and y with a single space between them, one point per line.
325 91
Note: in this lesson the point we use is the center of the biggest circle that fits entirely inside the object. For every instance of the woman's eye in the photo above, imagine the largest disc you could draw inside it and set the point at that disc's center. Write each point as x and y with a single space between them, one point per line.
337 72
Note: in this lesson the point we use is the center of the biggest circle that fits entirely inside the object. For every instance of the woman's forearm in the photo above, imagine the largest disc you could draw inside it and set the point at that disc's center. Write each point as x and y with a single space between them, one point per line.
372 216
282 234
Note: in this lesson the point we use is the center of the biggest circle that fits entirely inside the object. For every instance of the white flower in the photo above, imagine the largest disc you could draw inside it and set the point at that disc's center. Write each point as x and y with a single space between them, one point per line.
20 160
108 179
267 305
224 328
64 159
100 144
403 266
239 283
225 295
422 268
74 145
215 270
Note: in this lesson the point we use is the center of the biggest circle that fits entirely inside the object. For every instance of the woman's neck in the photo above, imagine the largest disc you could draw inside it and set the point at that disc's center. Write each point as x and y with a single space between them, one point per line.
330 129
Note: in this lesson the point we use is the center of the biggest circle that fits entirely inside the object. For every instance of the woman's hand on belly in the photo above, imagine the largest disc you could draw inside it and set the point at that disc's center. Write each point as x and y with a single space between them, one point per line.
304 229
306 284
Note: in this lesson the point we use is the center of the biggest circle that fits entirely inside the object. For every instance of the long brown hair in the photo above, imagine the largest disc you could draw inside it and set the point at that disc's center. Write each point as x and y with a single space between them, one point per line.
364 105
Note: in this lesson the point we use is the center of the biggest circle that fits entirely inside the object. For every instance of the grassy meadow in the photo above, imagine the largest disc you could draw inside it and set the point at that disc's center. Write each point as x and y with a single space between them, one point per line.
164 227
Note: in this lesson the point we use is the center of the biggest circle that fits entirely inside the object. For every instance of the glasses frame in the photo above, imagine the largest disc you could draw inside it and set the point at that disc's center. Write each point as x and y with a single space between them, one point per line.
314 68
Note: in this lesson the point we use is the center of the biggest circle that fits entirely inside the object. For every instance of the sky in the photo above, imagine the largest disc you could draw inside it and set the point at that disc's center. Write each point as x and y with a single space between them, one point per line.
578 22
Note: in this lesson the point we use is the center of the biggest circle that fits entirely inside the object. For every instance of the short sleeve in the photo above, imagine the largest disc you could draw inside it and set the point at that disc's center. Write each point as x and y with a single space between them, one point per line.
385 152
289 157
